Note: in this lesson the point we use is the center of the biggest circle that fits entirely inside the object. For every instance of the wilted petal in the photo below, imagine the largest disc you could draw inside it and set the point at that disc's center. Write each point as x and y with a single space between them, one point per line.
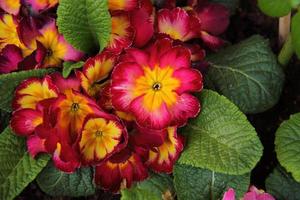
10 56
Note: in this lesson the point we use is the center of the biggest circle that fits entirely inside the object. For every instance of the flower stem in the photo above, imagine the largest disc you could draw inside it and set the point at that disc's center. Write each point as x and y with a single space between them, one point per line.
286 52
284 28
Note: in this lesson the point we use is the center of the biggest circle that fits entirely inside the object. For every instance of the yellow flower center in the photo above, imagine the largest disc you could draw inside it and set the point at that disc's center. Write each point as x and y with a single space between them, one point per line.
158 86
75 107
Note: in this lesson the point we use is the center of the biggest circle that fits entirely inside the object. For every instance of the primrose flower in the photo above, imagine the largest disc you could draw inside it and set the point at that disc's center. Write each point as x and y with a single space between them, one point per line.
126 5
122 33
73 107
101 136
120 171
95 72
54 47
154 85
11 6
33 90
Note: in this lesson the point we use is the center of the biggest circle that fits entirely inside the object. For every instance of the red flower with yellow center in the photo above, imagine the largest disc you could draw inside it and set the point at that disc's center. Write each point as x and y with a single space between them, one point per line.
101 136
55 48
40 5
154 85
11 6
95 71
73 108
121 170
31 91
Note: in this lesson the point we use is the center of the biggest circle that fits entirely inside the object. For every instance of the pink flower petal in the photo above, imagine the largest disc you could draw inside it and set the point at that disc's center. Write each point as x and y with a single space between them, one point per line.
10 57
191 80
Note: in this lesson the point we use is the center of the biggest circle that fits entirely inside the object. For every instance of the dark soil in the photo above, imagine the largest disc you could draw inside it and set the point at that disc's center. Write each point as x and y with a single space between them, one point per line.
247 21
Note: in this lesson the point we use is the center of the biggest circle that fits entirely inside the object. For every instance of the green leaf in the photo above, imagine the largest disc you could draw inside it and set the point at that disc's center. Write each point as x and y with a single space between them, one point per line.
232 5
57 183
287 145
17 167
4 119
9 82
68 67
275 8
194 183
282 186
220 138
154 188
247 74
86 24
294 3
296 33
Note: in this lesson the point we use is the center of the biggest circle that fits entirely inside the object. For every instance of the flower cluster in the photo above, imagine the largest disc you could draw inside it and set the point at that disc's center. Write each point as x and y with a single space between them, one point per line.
120 113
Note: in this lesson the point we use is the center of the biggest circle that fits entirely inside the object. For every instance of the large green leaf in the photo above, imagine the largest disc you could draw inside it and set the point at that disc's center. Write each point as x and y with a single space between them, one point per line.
296 33
275 8
86 24
17 167
282 186
194 183
247 74
9 82
220 138
154 188
57 183
287 145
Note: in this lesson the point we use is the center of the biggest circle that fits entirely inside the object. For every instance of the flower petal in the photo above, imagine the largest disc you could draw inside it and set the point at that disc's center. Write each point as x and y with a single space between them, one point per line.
10 6
122 33
190 80
35 145
214 18
32 91
10 56
64 84
123 168
123 80
163 158
8 31
126 5
229 195
177 57
24 122
211 41
39 5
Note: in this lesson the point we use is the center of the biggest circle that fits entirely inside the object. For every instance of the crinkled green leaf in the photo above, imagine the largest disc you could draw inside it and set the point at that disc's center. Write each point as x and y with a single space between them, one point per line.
194 183
287 145
9 82
68 67
57 183
86 24
296 33
294 3
248 74
275 8
154 188
221 138
17 167
282 186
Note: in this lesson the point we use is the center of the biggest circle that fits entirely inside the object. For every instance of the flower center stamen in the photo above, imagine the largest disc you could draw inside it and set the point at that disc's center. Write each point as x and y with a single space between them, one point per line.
75 107
49 53
99 133
156 86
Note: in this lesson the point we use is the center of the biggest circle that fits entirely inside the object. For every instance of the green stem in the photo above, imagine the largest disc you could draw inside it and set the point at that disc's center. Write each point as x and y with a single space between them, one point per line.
286 52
